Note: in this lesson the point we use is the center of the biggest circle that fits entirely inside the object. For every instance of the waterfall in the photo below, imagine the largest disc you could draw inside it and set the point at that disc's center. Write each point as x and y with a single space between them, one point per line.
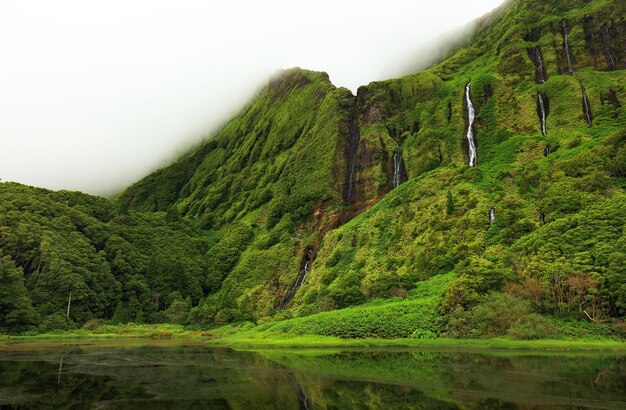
547 151
542 217
541 74
353 146
541 110
397 163
492 216
396 178
606 38
302 274
586 108
565 34
470 132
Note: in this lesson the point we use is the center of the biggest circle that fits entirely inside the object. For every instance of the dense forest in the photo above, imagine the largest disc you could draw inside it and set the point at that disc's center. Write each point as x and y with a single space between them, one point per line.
483 196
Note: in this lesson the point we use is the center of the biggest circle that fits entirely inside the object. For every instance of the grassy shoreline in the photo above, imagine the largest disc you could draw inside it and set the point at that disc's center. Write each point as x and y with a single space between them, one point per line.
254 340
312 341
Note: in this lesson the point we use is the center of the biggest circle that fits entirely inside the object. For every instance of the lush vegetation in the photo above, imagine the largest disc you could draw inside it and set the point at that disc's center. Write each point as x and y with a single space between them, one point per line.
300 185
57 243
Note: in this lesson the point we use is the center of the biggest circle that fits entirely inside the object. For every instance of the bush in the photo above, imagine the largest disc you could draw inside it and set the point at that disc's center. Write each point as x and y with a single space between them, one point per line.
499 312
56 322
423 334
120 316
179 311
93 324
533 326
462 324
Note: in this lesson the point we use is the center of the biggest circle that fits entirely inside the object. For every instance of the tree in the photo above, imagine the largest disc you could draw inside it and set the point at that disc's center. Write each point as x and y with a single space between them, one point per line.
179 310
449 203
16 311
120 316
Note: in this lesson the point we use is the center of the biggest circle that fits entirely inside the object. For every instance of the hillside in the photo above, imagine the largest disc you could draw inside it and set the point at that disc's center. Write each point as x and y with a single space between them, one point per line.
501 169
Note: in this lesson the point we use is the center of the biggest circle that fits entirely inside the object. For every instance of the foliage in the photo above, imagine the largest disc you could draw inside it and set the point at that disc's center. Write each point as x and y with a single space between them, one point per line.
220 235
120 316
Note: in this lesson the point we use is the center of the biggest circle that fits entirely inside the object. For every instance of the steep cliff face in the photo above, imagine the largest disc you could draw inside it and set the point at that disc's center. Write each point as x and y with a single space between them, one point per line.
353 187
502 167
280 155
526 88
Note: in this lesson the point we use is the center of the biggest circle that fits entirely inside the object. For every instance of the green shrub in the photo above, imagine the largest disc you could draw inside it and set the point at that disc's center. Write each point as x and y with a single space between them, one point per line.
499 312
56 322
423 334
462 324
533 326
120 316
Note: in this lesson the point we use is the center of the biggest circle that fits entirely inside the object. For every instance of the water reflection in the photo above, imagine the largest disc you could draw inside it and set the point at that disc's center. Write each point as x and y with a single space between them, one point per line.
196 376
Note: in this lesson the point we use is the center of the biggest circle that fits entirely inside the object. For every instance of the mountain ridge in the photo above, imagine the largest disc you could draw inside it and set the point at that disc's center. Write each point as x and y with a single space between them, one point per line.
314 199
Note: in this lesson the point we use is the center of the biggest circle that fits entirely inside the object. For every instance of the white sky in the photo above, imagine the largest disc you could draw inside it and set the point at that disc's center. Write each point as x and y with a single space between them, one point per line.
96 94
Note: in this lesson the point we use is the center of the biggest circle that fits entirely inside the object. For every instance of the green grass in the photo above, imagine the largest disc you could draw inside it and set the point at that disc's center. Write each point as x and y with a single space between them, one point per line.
254 339
131 330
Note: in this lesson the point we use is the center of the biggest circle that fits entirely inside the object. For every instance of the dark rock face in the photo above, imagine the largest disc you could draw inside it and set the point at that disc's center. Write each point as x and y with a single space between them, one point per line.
606 44
536 56
547 150
543 109
613 99
305 268
587 108
533 36
351 152
350 128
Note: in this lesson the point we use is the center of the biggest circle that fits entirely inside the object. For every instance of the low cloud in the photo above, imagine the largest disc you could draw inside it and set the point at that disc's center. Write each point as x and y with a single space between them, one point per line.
94 96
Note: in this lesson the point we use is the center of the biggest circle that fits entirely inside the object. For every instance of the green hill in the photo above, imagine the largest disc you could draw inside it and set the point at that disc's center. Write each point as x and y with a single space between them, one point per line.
312 199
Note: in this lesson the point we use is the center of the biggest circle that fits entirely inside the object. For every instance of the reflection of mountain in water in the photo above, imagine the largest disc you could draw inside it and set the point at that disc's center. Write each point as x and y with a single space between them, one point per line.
200 377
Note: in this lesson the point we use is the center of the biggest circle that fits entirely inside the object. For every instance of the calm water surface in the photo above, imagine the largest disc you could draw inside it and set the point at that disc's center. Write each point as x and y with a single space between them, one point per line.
180 376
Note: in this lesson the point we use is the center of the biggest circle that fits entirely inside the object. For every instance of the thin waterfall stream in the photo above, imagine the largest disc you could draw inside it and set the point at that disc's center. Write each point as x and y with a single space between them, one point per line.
473 158
565 34
541 72
397 163
305 267
542 111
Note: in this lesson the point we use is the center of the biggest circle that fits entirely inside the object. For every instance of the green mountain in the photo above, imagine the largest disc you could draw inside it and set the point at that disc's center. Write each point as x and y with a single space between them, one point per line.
492 180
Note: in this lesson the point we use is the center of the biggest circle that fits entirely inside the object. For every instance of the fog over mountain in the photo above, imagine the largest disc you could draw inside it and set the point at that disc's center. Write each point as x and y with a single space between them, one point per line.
93 96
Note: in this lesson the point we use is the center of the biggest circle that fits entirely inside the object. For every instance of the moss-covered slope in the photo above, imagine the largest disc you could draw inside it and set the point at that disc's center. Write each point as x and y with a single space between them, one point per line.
313 199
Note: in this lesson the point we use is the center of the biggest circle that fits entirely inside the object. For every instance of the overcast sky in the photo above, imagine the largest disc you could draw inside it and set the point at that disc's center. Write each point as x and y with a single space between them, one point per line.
96 94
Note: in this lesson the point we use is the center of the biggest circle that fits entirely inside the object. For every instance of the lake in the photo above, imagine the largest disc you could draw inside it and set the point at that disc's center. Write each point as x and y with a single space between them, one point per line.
192 374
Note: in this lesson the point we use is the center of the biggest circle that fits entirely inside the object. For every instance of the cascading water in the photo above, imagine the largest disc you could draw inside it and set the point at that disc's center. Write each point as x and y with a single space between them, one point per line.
565 34
397 166
542 112
587 108
492 216
547 151
470 132
542 217
606 41
399 173
541 72
302 273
